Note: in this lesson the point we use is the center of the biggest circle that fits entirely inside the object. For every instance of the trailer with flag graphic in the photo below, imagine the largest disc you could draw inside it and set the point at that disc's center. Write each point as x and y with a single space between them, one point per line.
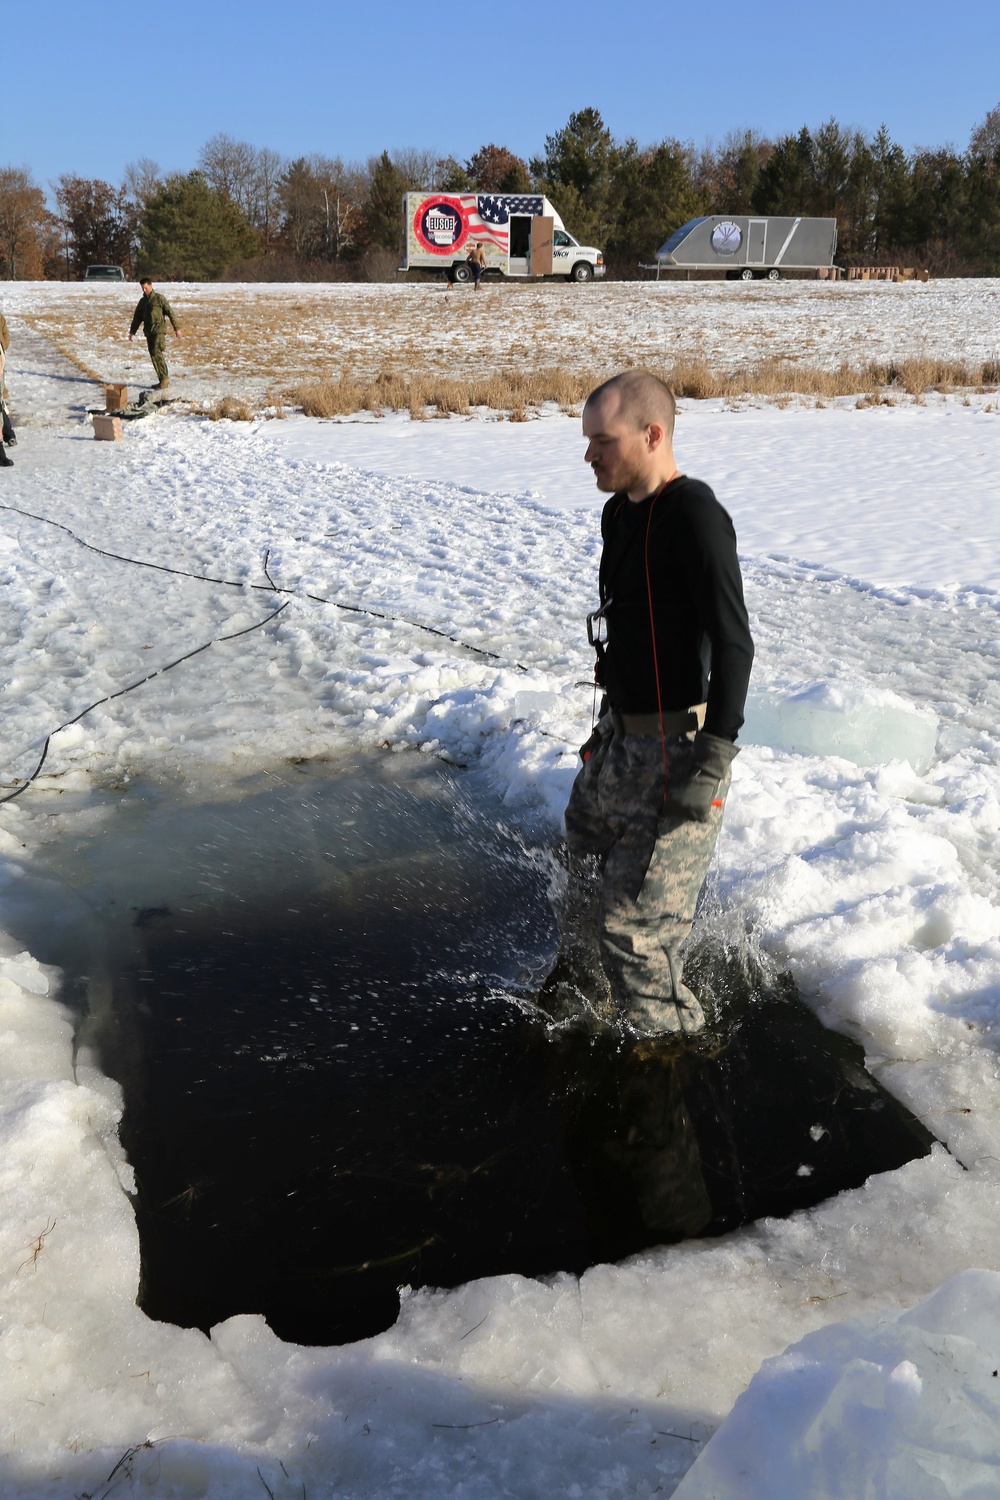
521 234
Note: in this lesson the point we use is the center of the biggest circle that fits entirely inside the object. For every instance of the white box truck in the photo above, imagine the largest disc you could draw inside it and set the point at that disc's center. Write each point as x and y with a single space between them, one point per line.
521 233
749 247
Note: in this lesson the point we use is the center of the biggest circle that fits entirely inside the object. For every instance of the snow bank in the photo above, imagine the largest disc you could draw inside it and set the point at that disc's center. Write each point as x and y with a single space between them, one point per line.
906 1408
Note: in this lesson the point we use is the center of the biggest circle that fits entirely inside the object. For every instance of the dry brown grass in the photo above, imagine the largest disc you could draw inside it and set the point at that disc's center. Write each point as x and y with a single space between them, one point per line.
229 409
342 348
515 393
779 377
507 391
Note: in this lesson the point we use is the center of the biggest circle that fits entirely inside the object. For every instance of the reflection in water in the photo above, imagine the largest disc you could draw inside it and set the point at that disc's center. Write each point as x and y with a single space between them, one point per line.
633 1148
766 1114
334 1086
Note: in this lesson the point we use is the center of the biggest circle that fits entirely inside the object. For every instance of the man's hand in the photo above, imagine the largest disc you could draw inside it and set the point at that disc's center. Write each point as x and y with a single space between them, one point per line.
177 333
711 757
131 337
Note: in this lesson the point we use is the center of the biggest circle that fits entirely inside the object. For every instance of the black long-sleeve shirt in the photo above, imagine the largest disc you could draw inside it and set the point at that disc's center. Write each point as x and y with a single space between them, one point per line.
704 649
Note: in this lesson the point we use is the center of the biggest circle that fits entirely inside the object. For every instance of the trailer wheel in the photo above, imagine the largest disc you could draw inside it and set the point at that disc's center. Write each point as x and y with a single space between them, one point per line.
774 274
582 271
461 271
747 273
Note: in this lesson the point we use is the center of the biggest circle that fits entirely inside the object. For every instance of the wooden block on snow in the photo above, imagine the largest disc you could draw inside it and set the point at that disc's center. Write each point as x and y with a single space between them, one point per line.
107 429
115 397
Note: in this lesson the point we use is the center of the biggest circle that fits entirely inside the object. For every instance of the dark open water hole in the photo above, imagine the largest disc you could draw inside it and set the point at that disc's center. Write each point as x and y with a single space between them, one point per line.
311 994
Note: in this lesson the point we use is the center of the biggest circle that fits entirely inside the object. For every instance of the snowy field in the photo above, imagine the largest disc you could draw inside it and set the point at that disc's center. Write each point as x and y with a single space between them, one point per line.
851 1350
269 337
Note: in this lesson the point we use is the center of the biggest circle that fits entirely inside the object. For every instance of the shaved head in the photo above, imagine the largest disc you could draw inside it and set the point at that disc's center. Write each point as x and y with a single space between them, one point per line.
642 399
628 423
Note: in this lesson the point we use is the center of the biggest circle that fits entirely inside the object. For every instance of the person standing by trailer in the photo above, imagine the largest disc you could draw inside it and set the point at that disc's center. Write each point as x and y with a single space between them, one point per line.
645 810
153 310
9 436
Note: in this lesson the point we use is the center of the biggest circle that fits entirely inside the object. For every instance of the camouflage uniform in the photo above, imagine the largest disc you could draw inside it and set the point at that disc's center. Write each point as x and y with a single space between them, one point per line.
152 311
8 427
635 875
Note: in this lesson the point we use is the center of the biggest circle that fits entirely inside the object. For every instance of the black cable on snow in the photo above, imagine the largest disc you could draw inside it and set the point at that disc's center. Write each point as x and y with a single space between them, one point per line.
120 692
136 561
271 588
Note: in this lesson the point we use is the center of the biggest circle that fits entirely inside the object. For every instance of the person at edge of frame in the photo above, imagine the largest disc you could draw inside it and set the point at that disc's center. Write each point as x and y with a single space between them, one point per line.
152 310
646 806
9 435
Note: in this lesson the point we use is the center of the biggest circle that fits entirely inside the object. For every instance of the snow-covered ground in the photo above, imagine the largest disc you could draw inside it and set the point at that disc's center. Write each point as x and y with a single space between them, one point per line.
860 848
267 337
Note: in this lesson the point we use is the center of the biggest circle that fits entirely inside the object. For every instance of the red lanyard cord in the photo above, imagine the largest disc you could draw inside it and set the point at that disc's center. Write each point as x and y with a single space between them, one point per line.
656 664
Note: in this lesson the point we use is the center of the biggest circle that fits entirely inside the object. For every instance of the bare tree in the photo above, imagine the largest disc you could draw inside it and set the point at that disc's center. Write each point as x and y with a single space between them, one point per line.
230 167
320 200
422 169
270 166
985 139
143 178
25 222
99 220
249 178
341 214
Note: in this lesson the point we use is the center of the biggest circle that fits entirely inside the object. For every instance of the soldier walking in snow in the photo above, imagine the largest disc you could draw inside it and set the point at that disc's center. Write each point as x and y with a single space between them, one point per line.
152 310
646 806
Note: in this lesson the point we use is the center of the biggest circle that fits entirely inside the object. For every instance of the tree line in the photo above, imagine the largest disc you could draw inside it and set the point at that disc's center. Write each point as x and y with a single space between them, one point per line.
248 213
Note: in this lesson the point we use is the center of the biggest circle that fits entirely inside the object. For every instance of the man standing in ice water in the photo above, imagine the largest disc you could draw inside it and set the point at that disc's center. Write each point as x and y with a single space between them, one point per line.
646 806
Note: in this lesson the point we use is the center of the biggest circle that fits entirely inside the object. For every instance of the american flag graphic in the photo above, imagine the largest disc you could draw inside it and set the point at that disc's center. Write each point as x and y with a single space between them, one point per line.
492 212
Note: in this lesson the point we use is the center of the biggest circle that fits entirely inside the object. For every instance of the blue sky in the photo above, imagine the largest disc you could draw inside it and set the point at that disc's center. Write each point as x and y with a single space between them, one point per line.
89 87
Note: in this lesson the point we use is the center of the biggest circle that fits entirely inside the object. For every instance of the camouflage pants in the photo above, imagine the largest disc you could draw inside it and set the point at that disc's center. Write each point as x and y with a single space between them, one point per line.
635 878
8 426
155 343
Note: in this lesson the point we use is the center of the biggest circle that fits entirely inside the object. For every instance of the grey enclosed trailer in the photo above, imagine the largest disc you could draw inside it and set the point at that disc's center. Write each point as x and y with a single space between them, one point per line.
748 247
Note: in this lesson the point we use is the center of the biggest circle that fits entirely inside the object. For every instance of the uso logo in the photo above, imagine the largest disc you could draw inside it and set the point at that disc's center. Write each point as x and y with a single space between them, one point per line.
441 225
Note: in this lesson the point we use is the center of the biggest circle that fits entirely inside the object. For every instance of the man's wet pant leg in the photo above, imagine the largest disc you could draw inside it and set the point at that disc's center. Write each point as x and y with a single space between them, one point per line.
642 939
651 871
577 989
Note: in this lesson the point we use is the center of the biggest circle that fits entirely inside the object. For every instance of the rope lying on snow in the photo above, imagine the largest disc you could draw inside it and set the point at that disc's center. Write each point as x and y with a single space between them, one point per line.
109 697
271 588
